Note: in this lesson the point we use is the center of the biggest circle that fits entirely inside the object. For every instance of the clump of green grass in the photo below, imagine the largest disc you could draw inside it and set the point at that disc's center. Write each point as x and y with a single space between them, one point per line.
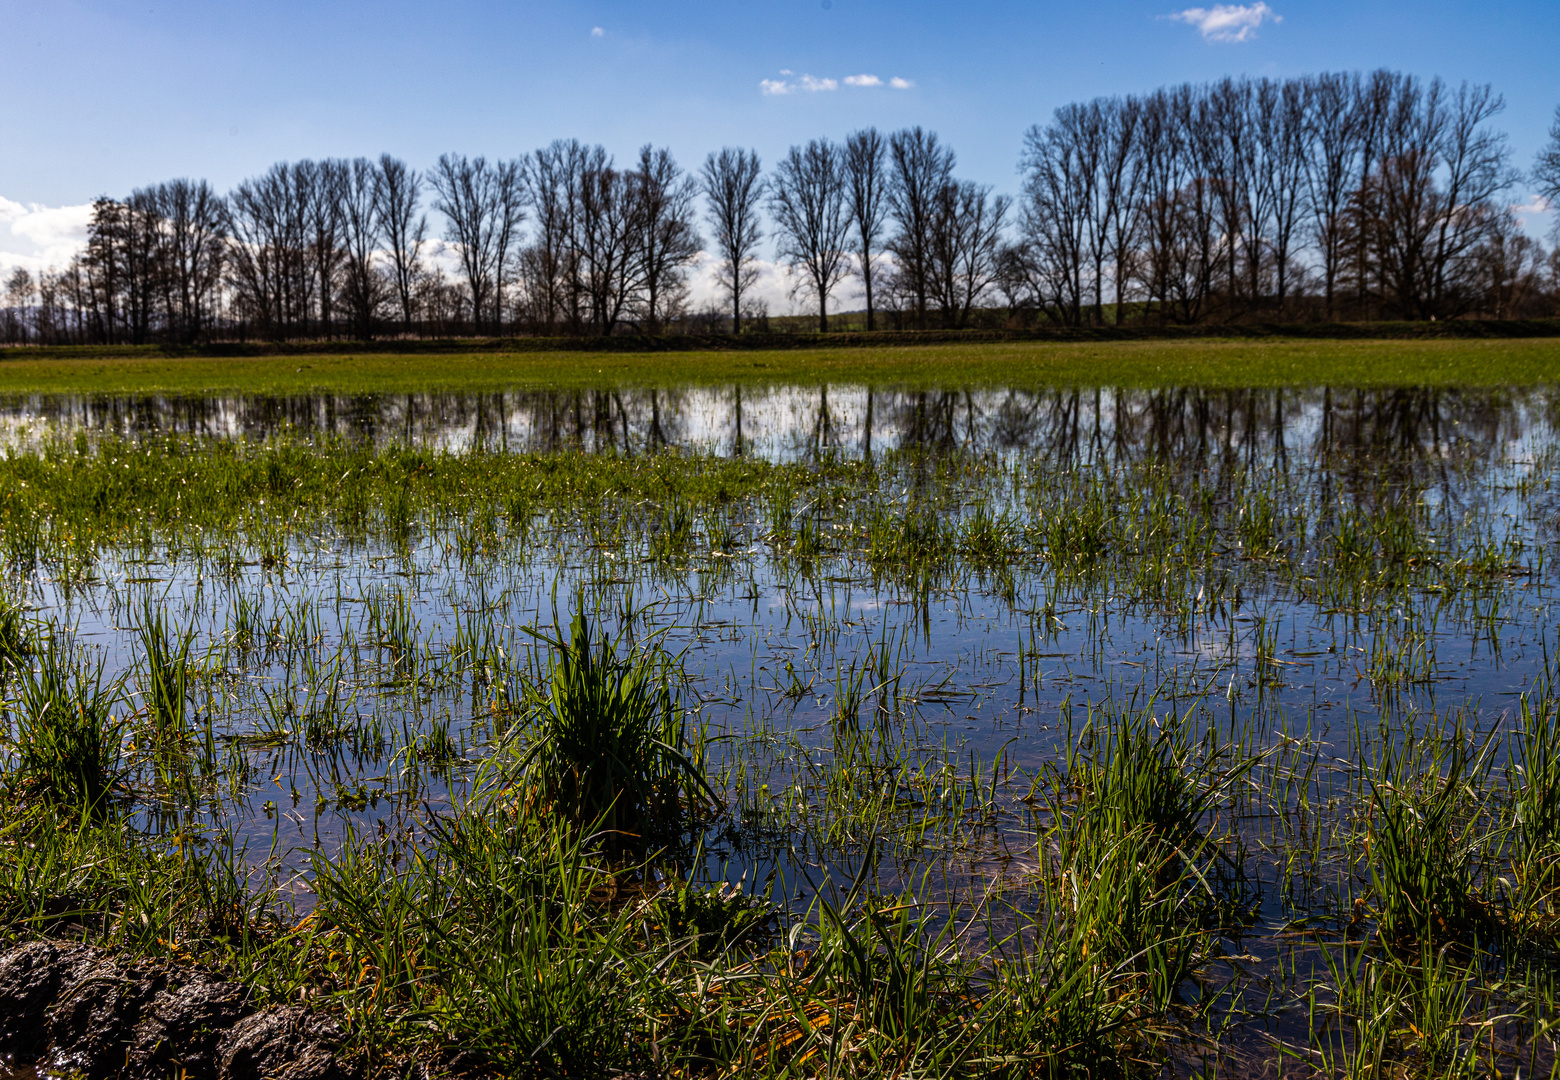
104 879
609 745
506 936
1535 809
64 741
1428 848
1133 845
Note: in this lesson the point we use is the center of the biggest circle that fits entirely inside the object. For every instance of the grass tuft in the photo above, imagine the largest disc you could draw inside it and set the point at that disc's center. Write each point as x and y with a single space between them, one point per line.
64 741
609 742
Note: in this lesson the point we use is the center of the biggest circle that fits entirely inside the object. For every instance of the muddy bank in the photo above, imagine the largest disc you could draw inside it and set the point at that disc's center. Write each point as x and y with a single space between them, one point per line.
74 1009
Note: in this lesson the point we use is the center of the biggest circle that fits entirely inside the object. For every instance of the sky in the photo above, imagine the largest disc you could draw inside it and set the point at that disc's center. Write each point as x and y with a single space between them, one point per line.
102 96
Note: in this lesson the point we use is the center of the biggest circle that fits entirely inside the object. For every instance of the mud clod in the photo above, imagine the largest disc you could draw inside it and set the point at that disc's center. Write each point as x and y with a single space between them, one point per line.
182 1030
31 976
282 1043
90 1025
83 1012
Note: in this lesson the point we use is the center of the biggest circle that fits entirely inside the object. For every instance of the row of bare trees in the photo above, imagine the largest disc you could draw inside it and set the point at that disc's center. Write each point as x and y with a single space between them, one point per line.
562 240
890 211
1326 197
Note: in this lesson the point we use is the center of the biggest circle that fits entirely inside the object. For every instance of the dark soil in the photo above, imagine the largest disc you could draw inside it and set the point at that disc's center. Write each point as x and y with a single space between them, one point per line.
75 1009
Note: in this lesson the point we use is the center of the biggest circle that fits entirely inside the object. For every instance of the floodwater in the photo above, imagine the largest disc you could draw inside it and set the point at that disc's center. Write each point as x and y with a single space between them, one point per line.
982 665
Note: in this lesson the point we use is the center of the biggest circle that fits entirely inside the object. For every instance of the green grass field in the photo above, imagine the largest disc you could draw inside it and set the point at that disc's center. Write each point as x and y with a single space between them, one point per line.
1216 363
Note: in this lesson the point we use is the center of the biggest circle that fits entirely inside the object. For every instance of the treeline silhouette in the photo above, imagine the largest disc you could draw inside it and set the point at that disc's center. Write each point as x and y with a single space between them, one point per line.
1325 198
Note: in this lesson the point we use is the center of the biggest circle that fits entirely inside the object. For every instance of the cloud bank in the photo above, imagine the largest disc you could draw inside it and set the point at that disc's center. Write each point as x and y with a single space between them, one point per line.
1228 23
812 84
37 237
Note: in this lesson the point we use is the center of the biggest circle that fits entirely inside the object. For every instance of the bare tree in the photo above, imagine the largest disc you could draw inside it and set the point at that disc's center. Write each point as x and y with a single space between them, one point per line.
606 239
1118 206
1179 245
1282 149
733 184
1023 289
193 219
552 184
268 250
1337 143
1546 169
1054 222
363 286
1428 204
807 201
1220 137
482 203
965 247
403 230
17 323
921 168
510 214
142 263
866 200
1098 141
1510 266
1375 105
1477 169
124 269
670 242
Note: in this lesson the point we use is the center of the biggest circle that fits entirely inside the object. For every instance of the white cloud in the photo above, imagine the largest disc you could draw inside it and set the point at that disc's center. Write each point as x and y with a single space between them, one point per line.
863 80
772 288
596 31
787 71
38 237
1228 22
1536 204
900 84
809 83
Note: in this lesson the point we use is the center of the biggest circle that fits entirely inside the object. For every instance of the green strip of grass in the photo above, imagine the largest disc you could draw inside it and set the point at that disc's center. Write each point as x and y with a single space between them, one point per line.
1230 363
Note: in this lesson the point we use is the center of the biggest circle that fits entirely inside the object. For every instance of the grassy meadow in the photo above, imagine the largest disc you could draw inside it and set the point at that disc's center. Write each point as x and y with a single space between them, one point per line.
1211 733
1232 363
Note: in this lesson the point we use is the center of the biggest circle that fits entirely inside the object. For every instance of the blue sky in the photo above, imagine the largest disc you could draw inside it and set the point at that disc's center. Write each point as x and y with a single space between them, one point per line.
98 97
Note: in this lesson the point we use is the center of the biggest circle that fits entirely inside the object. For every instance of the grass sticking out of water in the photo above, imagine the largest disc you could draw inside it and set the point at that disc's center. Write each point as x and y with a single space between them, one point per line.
608 742
1429 849
501 938
167 675
1134 848
62 737
1535 811
15 636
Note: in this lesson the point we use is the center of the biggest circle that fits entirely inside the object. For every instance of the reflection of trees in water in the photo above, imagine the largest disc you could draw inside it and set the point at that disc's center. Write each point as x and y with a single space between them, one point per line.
1369 439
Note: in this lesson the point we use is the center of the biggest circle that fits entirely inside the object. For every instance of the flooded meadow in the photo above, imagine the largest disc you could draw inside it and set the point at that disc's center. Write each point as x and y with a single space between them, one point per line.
824 730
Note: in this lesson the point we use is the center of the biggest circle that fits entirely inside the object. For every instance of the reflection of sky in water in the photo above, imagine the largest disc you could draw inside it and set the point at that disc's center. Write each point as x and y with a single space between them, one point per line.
743 620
